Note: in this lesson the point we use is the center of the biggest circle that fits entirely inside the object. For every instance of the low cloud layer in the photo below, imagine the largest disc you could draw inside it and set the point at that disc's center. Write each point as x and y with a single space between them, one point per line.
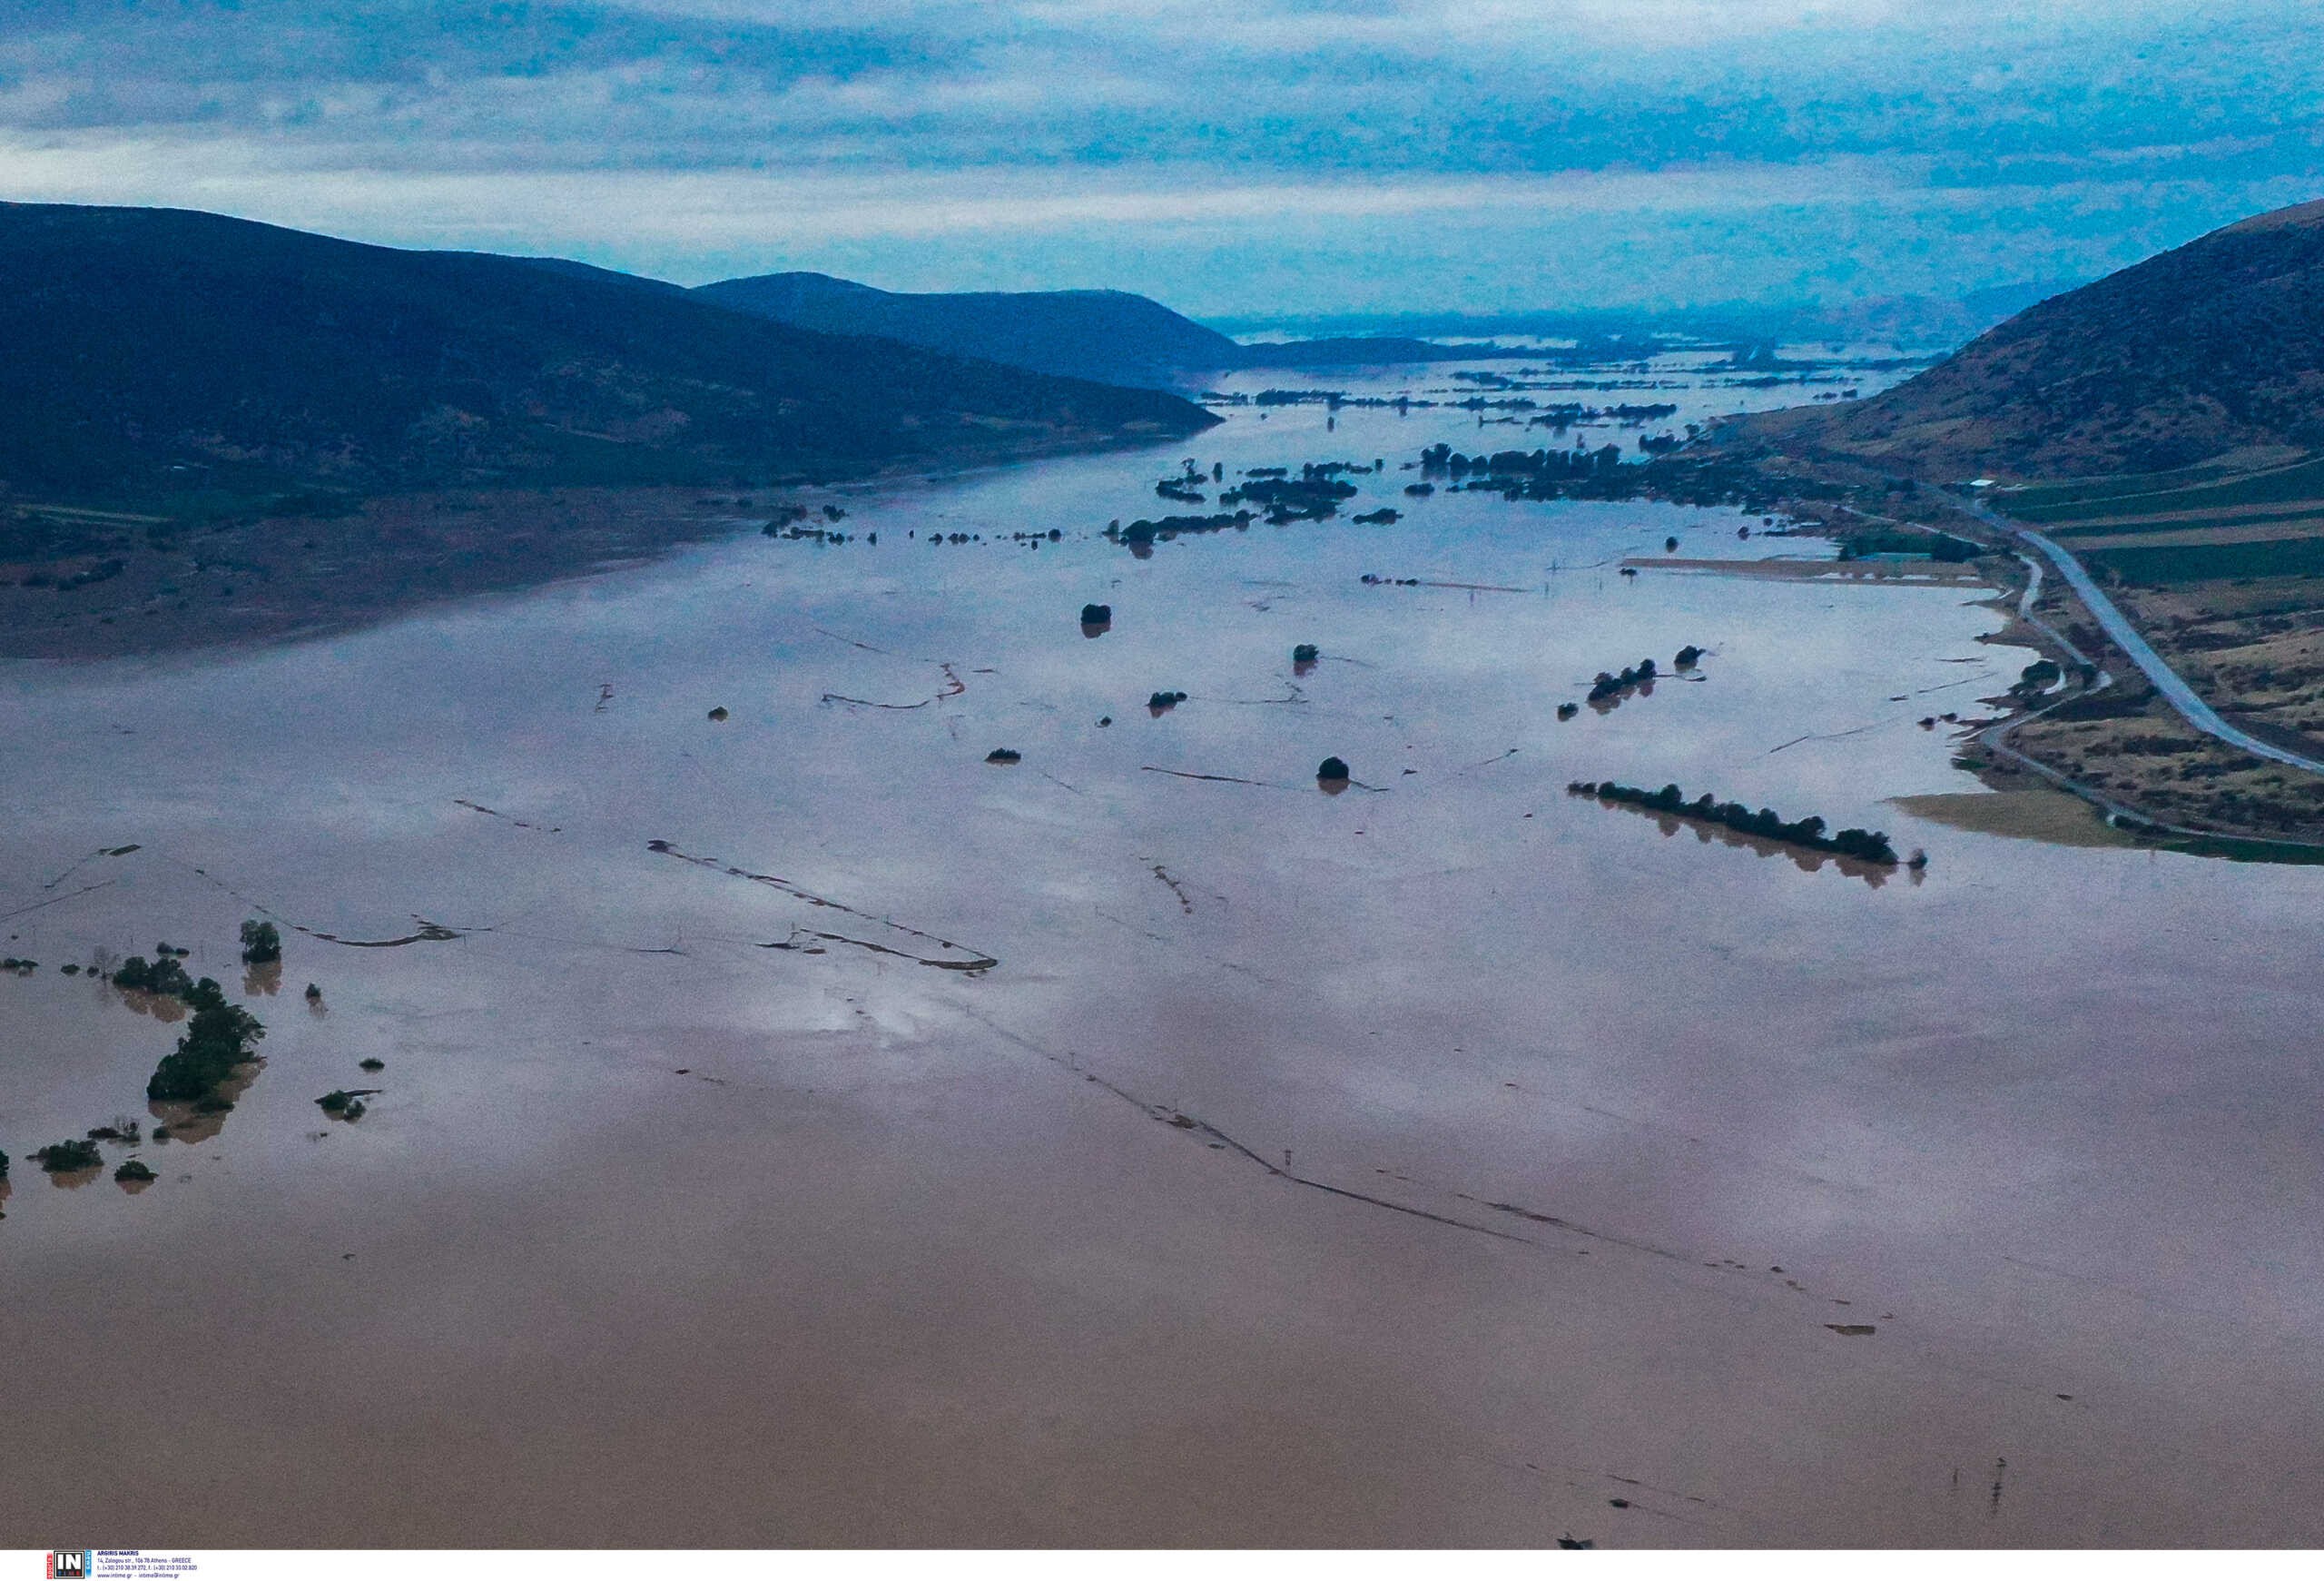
1228 158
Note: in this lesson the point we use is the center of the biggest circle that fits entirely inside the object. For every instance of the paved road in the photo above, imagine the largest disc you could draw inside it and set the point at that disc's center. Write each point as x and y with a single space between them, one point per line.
2167 681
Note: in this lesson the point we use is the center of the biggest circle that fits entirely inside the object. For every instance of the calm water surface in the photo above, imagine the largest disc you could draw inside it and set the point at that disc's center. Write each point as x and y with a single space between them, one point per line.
1531 1149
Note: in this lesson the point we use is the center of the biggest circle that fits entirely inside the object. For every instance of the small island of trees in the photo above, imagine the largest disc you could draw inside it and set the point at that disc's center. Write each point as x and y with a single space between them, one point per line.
1863 844
218 1039
66 1158
164 976
1609 685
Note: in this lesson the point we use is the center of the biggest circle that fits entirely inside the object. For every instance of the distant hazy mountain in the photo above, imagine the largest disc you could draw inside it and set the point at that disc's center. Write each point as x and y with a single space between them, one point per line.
1924 322
1112 336
1913 324
164 350
2209 348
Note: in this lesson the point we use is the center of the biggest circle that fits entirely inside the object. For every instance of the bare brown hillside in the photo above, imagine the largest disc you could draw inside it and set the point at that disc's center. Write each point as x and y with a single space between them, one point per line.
2212 347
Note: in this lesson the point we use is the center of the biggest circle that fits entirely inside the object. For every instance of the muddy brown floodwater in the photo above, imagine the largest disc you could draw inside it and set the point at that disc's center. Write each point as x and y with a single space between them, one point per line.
1112 1156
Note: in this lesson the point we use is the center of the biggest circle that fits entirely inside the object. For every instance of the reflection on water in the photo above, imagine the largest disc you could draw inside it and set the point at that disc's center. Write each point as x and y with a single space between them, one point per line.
204 1120
1872 874
683 1144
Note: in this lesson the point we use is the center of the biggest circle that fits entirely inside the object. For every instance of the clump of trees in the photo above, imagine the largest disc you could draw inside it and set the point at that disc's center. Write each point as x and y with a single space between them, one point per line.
1004 755
1863 844
1312 495
1938 546
64 1158
1162 702
219 1038
1306 653
1143 532
340 1104
1332 769
1613 685
1097 614
1601 474
1689 657
2036 679
164 976
135 1172
262 943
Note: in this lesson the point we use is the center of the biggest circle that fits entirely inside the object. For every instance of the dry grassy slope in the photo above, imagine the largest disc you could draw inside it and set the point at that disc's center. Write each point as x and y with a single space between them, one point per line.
2211 347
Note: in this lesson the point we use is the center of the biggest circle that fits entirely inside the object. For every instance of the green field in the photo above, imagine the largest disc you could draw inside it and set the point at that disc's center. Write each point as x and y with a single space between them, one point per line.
2164 564
2308 512
2043 496
2197 488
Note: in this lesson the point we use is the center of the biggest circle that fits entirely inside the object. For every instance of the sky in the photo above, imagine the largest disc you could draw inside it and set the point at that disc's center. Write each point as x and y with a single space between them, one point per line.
1235 159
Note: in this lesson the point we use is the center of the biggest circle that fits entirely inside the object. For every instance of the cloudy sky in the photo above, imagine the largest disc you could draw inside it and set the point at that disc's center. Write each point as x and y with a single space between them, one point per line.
1228 156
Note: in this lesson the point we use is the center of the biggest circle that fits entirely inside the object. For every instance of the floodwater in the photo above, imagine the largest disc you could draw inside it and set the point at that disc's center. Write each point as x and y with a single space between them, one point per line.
813 1133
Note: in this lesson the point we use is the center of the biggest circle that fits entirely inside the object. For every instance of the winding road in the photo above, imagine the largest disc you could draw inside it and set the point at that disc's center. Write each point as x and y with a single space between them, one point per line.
2168 681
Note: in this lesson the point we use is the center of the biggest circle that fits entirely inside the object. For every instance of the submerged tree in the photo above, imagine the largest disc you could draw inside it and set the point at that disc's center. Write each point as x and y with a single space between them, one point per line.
261 942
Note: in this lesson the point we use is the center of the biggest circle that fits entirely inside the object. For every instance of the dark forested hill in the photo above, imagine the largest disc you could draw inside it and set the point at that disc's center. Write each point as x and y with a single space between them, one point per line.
2212 347
152 351
1109 335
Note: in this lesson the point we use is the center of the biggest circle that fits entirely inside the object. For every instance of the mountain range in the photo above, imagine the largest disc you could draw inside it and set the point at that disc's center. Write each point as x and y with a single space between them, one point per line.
157 351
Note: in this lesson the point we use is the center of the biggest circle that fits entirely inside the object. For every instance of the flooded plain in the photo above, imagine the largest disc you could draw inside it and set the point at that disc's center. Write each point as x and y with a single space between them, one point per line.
792 1128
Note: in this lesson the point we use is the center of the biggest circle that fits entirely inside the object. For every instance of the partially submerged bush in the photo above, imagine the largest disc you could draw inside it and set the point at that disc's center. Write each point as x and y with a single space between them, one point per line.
341 1105
1160 701
1306 653
1004 755
261 942
135 1172
1097 614
1332 769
